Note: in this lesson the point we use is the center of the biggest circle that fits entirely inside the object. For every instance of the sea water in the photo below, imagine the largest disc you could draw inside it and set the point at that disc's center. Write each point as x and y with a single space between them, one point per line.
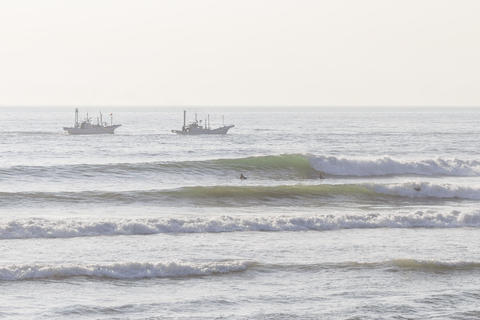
346 214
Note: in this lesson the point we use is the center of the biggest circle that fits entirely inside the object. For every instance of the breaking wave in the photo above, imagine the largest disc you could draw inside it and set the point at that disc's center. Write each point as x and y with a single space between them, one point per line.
428 190
285 166
122 270
44 228
389 167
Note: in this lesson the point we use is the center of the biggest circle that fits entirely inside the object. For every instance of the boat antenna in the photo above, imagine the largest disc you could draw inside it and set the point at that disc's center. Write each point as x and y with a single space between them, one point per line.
208 116
101 118
111 118
76 117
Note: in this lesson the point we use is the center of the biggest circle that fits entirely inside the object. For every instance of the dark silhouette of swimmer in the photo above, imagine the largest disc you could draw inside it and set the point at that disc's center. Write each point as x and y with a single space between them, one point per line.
242 177
417 188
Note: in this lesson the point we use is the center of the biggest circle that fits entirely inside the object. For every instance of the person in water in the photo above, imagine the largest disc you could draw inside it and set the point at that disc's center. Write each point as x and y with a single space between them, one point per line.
242 177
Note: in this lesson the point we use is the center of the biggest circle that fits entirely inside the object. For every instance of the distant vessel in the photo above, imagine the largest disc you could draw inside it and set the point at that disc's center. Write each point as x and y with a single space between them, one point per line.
196 127
87 127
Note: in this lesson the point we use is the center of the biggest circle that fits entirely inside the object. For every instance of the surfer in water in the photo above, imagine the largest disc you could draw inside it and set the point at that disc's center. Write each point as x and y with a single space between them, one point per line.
242 177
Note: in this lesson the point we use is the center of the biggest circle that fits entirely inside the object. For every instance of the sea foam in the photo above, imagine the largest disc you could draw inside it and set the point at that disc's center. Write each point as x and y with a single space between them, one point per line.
131 270
45 228
388 167
427 190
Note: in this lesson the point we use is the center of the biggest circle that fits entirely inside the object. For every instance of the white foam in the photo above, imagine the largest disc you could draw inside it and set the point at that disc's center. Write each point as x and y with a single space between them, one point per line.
426 189
121 270
44 228
387 166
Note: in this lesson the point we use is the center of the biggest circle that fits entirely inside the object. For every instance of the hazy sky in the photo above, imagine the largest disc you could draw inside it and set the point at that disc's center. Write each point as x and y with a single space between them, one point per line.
244 52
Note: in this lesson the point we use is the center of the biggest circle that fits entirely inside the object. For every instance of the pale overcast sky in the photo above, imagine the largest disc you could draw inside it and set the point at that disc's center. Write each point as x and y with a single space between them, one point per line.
244 52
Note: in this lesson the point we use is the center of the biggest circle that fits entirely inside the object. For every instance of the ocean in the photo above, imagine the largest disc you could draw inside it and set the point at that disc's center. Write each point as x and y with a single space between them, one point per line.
346 214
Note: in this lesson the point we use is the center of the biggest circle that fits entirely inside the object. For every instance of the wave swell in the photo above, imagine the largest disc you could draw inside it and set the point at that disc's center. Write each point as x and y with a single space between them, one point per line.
396 265
241 196
273 167
431 265
283 195
135 270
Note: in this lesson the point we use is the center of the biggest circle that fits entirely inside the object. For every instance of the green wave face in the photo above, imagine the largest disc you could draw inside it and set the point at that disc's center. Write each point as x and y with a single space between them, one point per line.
274 167
284 195
290 161
278 166
273 192
294 195
395 265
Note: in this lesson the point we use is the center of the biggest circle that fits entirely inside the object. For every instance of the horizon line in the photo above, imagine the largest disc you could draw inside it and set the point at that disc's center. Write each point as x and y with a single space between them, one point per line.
234 106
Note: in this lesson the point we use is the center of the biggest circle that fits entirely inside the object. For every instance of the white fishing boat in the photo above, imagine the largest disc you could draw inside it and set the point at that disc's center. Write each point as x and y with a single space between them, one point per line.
196 127
88 127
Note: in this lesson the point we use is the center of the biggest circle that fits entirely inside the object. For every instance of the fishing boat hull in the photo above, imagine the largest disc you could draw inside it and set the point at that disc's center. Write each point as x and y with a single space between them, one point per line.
199 131
92 130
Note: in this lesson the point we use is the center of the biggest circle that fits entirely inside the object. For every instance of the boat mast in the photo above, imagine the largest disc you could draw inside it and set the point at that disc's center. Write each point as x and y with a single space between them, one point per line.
76 117
184 119
208 117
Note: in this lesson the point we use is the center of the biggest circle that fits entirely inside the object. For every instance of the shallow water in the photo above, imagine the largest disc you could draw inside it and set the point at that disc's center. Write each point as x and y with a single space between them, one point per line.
350 215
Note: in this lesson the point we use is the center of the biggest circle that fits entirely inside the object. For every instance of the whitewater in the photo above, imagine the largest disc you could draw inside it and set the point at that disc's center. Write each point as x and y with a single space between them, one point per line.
346 214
